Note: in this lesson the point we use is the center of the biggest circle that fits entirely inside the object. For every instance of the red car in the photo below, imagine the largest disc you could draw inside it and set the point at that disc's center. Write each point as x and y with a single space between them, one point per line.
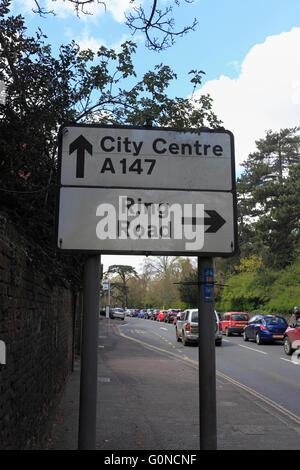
291 340
234 322
161 316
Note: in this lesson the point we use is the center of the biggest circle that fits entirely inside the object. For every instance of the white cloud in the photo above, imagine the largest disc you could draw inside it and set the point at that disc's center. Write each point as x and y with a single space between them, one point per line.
266 95
86 41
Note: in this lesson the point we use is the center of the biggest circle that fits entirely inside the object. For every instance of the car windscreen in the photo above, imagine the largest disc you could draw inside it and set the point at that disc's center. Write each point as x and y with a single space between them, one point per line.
275 321
239 317
194 317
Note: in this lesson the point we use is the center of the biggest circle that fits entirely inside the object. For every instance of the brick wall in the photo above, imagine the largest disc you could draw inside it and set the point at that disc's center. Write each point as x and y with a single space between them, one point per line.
37 322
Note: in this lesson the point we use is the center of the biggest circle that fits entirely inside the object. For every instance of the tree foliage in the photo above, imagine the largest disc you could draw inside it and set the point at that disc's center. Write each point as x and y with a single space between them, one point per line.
269 228
120 275
268 194
43 91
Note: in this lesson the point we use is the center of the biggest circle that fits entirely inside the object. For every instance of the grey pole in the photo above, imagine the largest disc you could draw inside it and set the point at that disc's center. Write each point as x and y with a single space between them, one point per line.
89 349
207 363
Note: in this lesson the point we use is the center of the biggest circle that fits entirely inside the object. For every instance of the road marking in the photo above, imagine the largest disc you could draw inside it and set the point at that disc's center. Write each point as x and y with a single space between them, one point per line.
156 348
265 399
258 395
162 328
252 349
290 361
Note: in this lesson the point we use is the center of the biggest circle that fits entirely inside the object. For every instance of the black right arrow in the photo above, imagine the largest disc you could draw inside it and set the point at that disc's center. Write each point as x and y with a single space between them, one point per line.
215 221
80 144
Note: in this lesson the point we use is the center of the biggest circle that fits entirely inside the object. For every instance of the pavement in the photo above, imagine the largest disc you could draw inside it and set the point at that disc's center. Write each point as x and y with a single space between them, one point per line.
147 402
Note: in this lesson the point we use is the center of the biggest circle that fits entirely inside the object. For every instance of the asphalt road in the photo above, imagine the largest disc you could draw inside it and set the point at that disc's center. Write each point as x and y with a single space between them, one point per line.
263 370
148 393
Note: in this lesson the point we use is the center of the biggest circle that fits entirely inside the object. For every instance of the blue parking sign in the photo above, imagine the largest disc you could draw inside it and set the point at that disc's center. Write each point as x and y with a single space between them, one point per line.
208 285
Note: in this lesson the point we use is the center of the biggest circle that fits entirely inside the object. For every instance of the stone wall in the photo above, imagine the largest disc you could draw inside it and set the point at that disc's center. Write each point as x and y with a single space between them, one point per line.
37 321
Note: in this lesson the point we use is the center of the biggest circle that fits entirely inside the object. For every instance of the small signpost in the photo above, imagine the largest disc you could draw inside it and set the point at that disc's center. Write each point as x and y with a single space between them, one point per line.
152 191
106 286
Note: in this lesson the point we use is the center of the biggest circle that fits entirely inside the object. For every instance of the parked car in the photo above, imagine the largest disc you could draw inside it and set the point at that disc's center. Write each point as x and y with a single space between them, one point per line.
291 340
234 322
179 316
148 313
117 313
171 314
265 328
142 313
161 316
135 312
187 329
154 314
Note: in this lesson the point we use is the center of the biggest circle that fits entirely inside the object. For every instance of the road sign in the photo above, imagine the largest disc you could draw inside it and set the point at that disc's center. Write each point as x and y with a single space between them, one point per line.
102 156
147 191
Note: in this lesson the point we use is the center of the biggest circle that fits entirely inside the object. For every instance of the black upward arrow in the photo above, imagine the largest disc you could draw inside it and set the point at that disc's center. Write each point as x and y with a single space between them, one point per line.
80 144
215 221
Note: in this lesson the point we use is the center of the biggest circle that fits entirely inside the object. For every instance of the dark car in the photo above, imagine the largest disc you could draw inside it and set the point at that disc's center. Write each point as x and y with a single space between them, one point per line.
148 313
171 314
291 341
154 314
179 317
265 328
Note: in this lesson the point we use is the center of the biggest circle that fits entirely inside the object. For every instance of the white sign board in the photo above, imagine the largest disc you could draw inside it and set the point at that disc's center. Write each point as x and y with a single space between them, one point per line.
146 158
117 220
147 191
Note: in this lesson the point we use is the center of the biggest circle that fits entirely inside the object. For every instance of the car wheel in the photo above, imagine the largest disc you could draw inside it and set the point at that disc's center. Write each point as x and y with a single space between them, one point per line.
287 346
245 337
219 342
258 339
177 337
184 340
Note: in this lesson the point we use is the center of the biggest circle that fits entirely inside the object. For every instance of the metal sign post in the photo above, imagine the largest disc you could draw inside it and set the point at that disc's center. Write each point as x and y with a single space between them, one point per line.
147 191
207 362
106 286
89 351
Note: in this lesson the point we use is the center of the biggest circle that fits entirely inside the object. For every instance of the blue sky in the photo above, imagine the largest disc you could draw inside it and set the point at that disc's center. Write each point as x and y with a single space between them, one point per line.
249 50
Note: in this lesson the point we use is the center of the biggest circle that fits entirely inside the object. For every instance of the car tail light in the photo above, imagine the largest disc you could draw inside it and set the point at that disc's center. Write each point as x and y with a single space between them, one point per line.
220 326
262 327
188 327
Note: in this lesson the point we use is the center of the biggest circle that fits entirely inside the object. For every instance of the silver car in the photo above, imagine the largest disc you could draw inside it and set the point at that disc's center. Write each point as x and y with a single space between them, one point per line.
118 313
187 328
